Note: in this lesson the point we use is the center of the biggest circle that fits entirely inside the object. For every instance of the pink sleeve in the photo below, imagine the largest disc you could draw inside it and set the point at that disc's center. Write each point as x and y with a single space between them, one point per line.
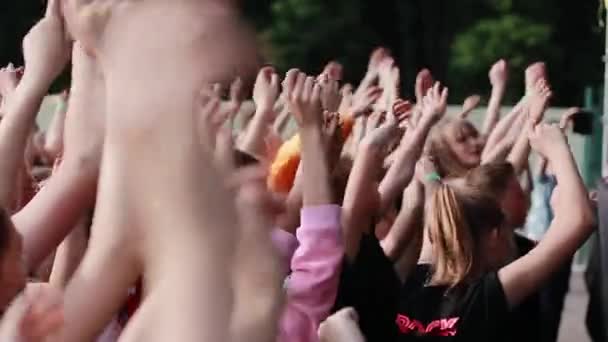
316 265
286 244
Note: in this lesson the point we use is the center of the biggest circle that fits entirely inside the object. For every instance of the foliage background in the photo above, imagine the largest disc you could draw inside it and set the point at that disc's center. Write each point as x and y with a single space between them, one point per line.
457 40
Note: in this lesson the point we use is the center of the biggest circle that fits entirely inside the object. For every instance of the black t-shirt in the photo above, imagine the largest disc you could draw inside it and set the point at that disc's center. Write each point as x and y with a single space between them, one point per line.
474 312
371 286
527 316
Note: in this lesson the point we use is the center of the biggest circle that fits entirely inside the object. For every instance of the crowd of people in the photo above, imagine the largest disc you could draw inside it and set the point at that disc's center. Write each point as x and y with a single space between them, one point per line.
158 206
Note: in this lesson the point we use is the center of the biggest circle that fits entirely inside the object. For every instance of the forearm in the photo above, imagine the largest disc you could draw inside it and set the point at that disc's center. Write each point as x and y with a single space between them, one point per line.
55 209
70 253
252 141
493 112
53 145
406 226
316 182
401 172
499 152
520 153
356 218
15 128
502 127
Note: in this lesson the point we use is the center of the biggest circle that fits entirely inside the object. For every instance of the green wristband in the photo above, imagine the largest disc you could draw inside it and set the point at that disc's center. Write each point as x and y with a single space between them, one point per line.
432 177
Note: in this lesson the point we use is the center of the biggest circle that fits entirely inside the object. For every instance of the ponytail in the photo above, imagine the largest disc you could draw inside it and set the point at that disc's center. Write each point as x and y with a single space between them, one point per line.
455 219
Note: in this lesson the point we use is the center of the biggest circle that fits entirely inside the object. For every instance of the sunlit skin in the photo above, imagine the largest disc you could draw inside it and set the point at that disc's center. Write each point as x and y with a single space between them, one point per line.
153 83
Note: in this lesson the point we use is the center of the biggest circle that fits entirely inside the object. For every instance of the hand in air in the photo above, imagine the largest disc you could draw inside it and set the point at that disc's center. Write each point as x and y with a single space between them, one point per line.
539 99
362 105
330 93
435 103
499 74
334 71
535 73
9 79
266 89
547 140
304 99
424 82
567 117
470 103
376 58
46 50
381 132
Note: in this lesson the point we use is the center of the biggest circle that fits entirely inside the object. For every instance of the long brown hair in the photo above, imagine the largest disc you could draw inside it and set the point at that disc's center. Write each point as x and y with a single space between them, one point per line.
456 218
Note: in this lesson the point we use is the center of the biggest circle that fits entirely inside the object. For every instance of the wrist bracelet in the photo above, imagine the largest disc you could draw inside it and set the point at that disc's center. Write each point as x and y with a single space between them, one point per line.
432 177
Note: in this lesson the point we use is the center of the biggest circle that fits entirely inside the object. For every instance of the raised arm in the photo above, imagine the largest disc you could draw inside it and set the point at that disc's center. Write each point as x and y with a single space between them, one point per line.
499 75
539 99
265 94
402 169
572 225
57 207
361 198
46 53
315 266
53 145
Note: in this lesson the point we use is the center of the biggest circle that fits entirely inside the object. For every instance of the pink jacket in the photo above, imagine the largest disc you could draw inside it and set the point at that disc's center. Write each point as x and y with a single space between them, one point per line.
315 272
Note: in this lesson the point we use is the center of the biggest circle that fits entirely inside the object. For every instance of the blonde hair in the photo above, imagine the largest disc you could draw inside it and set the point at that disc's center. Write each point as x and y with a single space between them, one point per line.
438 147
456 218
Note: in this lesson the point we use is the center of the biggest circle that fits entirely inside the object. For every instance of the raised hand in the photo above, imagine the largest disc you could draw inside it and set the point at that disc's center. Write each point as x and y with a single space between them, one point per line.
434 104
363 104
330 93
381 135
547 140
376 58
46 49
539 99
567 117
266 89
535 73
334 71
9 79
304 99
470 103
424 82
402 112
499 74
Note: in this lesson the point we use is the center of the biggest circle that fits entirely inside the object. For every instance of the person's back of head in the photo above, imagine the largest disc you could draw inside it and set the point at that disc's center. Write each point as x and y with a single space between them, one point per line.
459 221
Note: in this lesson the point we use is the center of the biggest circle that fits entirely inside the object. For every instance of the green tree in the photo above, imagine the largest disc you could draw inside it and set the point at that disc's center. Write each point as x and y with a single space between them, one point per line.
309 33
515 38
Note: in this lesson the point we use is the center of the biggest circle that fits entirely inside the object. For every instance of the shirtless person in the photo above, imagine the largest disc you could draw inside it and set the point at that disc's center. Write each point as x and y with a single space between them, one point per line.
153 211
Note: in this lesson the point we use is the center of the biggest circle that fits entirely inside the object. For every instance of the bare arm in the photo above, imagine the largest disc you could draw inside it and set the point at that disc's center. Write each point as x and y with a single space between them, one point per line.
499 75
361 196
53 145
407 224
15 128
572 225
70 253
56 208
538 104
265 95
402 170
